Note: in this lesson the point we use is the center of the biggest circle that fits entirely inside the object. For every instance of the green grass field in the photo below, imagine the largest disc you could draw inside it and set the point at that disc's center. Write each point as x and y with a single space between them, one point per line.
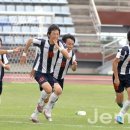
19 100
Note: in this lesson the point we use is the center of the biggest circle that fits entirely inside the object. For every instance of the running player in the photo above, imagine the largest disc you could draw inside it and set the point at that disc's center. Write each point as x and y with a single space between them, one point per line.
121 79
45 62
3 65
61 67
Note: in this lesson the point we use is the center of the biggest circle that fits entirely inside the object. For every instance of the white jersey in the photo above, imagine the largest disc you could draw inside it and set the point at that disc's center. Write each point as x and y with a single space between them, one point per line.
62 65
4 59
124 56
46 57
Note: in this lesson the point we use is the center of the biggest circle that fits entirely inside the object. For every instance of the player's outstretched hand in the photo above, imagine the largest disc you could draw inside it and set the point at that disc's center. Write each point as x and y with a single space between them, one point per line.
17 49
7 67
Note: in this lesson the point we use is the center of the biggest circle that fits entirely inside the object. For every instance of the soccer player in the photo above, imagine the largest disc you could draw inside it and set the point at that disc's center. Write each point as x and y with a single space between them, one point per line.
121 78
61 67
3 65
60 70
4 62
45 62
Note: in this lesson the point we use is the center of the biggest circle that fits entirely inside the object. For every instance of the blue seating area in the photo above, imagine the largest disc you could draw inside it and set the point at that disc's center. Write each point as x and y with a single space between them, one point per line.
15 27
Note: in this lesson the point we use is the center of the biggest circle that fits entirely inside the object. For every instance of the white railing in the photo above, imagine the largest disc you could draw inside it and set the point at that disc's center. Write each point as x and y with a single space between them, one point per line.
109 50
95 17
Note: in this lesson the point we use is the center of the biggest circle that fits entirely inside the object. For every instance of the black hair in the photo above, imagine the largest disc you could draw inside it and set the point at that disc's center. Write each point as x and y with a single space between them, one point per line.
52 28
128 35
66 36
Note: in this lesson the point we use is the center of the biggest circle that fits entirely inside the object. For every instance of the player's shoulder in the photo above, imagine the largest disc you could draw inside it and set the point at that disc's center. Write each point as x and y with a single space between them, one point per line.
39 38
126 48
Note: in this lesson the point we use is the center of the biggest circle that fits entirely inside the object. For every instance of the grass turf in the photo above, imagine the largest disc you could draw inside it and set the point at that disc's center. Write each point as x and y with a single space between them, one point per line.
19 100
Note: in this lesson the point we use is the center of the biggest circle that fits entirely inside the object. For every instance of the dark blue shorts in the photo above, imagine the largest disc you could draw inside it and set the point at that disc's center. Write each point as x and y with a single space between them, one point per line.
124 83
61 82
43 77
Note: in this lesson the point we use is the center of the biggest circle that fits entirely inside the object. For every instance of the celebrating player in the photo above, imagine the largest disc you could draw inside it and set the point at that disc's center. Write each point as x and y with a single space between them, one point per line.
61 67
45 62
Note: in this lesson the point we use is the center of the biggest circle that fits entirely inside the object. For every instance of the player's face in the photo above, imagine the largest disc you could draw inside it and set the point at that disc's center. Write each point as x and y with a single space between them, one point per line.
69 44
54 36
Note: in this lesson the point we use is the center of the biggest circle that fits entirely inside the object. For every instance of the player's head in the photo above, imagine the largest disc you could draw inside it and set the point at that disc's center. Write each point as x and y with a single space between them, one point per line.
53 32
69 40
128 35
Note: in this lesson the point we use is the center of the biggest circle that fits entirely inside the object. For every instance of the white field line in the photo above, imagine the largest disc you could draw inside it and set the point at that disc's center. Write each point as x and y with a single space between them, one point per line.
65 125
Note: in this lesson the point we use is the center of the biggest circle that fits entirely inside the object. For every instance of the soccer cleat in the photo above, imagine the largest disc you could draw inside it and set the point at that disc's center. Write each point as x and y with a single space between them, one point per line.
40 108
119 119
34 118
47 114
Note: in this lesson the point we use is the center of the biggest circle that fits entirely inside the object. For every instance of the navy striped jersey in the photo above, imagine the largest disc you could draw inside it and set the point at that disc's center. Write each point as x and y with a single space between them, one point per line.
124 56
4 59
62 65
47 56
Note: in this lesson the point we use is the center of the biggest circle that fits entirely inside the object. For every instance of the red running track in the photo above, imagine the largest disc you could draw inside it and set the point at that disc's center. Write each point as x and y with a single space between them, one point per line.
81 79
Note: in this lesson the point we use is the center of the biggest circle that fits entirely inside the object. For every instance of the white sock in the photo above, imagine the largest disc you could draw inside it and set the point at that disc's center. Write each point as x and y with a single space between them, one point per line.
36 111
42 97
41 100
125 108
53 98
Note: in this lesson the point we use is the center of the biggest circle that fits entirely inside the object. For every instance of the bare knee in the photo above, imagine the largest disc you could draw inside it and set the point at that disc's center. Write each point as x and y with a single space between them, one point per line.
47 87
57 89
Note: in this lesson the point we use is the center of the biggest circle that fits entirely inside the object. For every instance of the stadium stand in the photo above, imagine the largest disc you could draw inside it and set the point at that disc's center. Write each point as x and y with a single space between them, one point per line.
73 16
58 7
114 15
18 21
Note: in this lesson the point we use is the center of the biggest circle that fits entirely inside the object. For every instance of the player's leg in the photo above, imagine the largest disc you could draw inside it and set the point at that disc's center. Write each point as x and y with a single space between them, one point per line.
1 88
61 83
46 90
124 109
53 98
126 105
119 90
119 99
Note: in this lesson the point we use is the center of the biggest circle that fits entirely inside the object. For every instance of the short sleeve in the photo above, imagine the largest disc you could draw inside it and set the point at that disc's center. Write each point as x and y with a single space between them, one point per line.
122 53
5 59
36 41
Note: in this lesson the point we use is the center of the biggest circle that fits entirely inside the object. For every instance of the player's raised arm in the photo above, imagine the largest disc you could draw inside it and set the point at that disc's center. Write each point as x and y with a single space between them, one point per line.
62 50
23 57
